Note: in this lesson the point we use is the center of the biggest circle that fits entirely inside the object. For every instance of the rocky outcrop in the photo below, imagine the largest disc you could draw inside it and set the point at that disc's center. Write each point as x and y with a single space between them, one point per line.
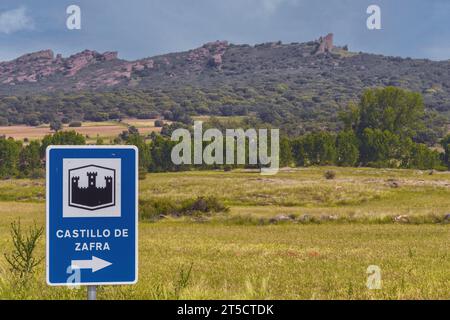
110 55
211 52
325 44
216 60
198 54
143 65
28 68
78 61
33 67
30 57
38 65
217 49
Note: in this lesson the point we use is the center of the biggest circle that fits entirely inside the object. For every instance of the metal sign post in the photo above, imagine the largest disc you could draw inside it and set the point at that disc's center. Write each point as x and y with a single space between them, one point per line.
92 292
92 216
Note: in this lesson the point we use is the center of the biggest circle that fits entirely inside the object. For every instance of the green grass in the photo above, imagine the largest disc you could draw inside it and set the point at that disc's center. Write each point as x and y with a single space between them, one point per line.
233 257
360 192
22 191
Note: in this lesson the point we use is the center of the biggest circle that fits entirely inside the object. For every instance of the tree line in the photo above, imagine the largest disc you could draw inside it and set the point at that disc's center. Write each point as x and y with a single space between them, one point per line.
379 131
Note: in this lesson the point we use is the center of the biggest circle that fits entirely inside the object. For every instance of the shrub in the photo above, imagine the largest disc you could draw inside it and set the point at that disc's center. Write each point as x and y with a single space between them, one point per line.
202 205
37 174
155 209
75 124
142 173
152 210
22 260
159 123
329 175
56 125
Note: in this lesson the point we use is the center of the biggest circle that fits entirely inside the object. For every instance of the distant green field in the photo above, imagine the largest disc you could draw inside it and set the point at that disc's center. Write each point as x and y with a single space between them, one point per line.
233 256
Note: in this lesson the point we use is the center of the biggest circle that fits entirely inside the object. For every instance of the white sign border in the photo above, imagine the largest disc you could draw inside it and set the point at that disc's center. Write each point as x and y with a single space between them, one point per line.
47 207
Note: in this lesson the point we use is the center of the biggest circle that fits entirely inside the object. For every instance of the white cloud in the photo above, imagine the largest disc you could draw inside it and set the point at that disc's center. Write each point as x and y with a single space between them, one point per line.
15 20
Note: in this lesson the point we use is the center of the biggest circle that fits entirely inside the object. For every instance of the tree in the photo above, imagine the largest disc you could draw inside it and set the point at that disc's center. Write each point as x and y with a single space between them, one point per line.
320 148
298 152
423 157
161 150
4 121
393 109
9 157
382 148
269 115
125 135
446 145
168 129
315 149
30 158
132 137
159 123
56 125
351 117
347 148
62 138
286 157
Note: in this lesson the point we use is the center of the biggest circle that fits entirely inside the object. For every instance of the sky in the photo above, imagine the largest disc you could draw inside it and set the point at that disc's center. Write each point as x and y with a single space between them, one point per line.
143 28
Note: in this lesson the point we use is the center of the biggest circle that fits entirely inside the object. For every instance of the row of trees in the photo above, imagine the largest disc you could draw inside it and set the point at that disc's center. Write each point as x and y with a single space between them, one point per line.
378 149
19 160
380 131
375 148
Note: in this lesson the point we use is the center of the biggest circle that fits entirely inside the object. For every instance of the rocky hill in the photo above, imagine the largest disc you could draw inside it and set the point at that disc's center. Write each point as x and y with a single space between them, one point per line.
307 81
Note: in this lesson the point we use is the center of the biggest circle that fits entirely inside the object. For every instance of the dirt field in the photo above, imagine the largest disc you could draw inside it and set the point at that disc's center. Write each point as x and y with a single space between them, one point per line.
91 129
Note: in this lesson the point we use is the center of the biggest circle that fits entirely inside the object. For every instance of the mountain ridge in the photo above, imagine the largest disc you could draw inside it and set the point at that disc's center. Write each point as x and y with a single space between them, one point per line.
310 81
38 70
109 71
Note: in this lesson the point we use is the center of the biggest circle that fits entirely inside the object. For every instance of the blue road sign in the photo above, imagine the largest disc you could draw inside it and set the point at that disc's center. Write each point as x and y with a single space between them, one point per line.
92 205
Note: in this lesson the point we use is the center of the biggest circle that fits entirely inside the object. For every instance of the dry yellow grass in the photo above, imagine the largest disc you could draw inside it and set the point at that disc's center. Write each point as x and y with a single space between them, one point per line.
285 261
107 129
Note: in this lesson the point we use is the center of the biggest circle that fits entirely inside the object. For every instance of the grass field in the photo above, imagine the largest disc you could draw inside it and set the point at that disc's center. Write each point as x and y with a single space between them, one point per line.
233 256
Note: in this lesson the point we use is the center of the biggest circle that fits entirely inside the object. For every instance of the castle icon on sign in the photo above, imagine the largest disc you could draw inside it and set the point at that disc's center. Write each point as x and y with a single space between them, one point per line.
92 197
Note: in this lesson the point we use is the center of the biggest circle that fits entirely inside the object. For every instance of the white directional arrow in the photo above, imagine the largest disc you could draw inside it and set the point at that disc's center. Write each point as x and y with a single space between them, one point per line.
95 264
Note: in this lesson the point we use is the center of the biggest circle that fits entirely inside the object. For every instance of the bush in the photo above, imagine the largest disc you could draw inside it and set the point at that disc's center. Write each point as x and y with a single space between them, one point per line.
22 260
56 125
159 123
142 173
202 205
37 174
65 120
329 175
152 210
75 124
